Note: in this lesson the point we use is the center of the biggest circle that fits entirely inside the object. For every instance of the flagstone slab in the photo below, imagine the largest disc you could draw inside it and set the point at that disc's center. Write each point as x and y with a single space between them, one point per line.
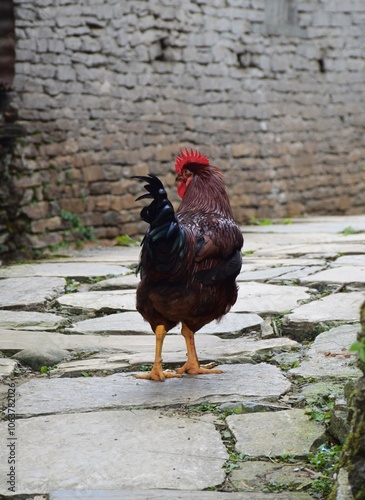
113 324
31 320
262 275
165 494
263 298
64 269
298 274
337 307
44 356
174 355
275 433
329 357
115 449
329 225
100 365
28 293
129 281
330 250
133 323
140 349
351 260
121 390
354 274
254 475
118 255
7 367
114 300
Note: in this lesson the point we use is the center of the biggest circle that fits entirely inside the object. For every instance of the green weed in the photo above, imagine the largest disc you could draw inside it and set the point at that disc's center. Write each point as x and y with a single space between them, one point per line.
325 461
126 241
233 461
257 222
359 347
349 230
85 233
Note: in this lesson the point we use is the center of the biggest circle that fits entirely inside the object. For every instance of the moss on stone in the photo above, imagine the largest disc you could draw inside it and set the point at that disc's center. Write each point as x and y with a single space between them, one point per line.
353 458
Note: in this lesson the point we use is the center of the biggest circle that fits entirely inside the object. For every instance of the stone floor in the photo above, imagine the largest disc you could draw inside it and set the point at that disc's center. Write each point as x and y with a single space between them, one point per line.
71 341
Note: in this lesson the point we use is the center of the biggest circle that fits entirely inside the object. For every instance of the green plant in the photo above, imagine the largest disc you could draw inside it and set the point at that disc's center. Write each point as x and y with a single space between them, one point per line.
349 230
320 410
84 232
257 222
126 241
238 410
71 285
277 487
288 459
233 461
325 462
203 408
359 347
145 368
46 369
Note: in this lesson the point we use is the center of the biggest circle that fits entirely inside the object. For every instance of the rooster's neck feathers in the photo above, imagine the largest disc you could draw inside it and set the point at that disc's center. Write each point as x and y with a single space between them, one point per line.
206 194
191 156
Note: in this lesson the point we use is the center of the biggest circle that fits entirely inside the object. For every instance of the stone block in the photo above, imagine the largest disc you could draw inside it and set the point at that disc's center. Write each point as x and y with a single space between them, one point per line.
93 173
36 211
42 225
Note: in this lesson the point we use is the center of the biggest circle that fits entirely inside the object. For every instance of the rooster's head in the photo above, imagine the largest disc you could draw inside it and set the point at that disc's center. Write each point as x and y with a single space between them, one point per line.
186 165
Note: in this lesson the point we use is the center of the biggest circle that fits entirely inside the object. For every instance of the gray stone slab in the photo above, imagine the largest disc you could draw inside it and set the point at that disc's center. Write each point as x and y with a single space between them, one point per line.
115 449
263 298
64 269
313 225
122 323
114 300
351 260
61 395
265 274
299 274
7 367
31 292
133 323
274 433
159 494
253 263
231 324
117 255
12 341
123 282
332 308
209 348
140 349
328 356
330 250
31 321
44 356
255 475
107 364
339 274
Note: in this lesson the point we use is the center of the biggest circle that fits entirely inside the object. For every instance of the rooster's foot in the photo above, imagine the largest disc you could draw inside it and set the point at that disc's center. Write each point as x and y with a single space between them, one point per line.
158 375
197 369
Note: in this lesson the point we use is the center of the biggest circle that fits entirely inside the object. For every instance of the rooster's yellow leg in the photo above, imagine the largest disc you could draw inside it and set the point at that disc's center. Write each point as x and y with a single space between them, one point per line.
157 373
192 365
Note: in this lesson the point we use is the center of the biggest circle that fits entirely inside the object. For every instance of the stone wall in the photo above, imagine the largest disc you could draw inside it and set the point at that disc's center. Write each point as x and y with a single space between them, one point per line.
273 92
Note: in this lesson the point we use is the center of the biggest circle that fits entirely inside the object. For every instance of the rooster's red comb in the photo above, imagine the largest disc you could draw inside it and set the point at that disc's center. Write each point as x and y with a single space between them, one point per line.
191 156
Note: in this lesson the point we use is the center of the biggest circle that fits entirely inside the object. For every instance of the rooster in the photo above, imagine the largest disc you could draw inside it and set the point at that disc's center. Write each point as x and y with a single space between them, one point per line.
189 258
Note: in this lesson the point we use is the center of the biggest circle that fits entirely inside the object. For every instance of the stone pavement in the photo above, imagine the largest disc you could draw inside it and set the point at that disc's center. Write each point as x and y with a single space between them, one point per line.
71 341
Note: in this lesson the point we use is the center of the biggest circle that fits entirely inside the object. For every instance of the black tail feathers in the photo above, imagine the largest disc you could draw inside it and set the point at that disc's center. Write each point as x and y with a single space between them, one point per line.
164 240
